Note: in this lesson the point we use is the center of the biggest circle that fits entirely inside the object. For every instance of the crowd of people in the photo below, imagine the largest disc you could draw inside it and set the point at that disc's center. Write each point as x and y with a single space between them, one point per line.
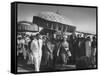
74 49
83 49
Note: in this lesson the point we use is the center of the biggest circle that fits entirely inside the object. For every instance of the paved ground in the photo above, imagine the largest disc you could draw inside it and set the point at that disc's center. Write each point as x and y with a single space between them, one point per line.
24 67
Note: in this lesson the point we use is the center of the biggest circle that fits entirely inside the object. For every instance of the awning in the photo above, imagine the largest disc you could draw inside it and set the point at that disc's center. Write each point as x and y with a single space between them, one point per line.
24 26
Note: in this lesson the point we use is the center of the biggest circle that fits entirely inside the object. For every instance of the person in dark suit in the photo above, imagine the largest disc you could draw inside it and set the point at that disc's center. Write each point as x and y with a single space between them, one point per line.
93 51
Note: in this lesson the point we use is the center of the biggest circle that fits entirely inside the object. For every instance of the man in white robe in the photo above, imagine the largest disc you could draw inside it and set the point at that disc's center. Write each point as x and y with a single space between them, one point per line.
36 48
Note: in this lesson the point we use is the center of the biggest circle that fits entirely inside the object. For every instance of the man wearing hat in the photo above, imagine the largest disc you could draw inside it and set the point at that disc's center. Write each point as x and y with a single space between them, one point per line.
36 51
63 51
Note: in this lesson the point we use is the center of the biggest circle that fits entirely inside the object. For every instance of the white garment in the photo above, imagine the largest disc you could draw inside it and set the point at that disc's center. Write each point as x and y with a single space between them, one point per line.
88 48
36 47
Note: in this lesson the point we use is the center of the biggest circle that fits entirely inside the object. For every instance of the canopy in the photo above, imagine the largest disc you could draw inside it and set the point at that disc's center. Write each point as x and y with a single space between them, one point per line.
26 26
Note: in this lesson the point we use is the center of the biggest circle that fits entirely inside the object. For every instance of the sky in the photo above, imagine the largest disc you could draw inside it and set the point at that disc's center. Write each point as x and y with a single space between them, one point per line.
83 18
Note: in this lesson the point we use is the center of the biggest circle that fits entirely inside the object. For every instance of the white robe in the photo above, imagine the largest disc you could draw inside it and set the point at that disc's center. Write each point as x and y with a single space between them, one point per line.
36 47
88 48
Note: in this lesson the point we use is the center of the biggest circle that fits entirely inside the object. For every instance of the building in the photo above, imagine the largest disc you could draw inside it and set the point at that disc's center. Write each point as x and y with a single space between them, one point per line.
54 21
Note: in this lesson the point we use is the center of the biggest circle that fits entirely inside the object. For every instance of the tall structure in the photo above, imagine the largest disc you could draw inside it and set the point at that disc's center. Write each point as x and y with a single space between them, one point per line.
54 21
